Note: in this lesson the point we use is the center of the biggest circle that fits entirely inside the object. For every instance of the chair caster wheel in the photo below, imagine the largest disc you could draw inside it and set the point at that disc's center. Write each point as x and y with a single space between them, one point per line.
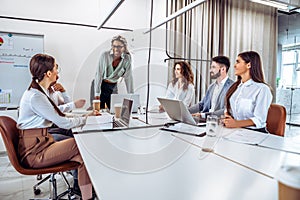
39 177
37 191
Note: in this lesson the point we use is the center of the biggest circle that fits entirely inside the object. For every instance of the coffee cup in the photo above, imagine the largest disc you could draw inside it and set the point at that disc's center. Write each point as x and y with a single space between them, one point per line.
96 104
288 177
118 108
289 183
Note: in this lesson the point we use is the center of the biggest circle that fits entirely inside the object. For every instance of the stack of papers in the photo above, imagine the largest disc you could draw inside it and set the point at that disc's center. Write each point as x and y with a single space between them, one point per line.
101 119
100 122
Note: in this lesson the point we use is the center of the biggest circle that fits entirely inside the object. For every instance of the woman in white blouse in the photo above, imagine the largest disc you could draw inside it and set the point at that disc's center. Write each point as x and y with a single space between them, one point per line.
38 112
249 98
182 85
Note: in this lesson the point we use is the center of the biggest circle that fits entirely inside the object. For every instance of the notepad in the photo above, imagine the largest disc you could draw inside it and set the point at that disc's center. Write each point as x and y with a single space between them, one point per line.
103 118
247 136
185 129
103 121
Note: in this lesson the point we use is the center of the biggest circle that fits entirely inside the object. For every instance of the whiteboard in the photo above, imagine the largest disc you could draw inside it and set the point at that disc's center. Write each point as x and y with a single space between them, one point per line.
16 50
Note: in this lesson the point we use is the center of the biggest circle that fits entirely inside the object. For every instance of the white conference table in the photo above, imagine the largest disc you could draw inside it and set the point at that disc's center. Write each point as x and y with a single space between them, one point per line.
152 164
154 118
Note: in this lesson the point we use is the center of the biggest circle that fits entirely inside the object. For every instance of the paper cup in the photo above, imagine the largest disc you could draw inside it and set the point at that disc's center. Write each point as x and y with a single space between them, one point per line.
118 108
96 104
289 183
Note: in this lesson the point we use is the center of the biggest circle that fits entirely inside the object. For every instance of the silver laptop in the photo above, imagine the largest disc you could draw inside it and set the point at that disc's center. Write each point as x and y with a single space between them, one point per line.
118 99
178 111
125 114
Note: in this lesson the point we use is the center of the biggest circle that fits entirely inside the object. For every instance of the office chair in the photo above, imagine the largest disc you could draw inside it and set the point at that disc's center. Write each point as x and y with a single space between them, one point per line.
10 135
276 119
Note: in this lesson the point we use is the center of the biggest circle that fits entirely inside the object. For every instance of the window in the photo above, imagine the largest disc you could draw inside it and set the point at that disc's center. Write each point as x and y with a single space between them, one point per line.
290 77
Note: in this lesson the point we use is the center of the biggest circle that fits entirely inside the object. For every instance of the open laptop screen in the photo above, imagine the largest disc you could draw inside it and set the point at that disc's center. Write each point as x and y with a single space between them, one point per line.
177 110
118 99
126 110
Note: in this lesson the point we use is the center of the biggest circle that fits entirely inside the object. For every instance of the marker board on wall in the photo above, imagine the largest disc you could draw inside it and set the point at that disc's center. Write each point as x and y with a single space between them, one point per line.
16 50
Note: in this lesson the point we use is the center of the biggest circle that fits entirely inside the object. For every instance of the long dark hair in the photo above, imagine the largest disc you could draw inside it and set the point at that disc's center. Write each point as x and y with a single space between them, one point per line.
256 73
187 73
40 64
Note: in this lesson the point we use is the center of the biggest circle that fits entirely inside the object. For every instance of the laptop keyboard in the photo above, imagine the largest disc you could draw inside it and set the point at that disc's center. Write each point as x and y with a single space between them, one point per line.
199 120
118 124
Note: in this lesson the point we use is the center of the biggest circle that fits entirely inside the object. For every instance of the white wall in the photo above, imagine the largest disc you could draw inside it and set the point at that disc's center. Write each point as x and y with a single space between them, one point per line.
77 48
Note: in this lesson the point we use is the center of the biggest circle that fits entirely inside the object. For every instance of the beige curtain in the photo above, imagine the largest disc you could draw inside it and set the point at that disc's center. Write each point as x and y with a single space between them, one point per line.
223 27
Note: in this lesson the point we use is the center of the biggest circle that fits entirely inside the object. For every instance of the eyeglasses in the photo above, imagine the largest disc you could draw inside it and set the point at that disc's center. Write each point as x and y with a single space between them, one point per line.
58 69
214 66
117 47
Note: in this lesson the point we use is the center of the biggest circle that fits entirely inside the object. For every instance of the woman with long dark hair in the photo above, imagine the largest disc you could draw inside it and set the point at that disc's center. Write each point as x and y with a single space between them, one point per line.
249 98
182 85
38 112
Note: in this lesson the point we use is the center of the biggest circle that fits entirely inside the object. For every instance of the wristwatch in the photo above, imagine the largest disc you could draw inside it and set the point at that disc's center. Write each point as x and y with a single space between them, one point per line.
203 115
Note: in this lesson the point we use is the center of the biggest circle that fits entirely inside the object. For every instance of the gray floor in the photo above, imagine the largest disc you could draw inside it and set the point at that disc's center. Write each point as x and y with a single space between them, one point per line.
13 185
16 186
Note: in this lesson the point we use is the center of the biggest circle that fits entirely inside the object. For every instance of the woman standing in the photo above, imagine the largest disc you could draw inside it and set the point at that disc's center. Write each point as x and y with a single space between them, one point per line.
182 85
113 64
37 113
249 98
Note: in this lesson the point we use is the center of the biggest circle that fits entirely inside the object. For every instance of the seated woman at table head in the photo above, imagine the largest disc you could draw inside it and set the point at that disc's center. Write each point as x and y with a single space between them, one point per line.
182 85
249 98
37 148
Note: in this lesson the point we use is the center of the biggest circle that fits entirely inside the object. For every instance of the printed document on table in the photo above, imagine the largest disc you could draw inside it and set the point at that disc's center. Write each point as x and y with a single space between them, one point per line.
247 136
100 119
100 122
93 123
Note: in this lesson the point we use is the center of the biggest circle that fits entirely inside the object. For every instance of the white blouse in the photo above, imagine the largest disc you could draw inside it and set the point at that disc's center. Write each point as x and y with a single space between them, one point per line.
251 100
36 111
63 101
186 96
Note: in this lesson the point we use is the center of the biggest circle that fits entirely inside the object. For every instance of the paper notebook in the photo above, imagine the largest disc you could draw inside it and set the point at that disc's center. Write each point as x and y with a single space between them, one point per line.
247 136
184 129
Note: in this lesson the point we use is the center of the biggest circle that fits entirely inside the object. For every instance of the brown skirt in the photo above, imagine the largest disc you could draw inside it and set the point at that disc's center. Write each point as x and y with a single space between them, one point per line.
32 142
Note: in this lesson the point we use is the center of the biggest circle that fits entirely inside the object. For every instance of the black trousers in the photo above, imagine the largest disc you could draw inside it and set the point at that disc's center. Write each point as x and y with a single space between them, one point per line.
60 133
106 91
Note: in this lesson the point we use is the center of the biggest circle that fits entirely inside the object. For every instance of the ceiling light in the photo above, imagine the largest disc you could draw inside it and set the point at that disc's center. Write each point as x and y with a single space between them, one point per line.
117 5
275 4
177 13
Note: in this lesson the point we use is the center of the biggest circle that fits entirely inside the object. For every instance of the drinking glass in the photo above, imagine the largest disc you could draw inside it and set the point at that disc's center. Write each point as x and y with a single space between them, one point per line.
212 124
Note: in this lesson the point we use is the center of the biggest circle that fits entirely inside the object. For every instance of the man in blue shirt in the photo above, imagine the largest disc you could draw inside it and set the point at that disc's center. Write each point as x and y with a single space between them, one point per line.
214 99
